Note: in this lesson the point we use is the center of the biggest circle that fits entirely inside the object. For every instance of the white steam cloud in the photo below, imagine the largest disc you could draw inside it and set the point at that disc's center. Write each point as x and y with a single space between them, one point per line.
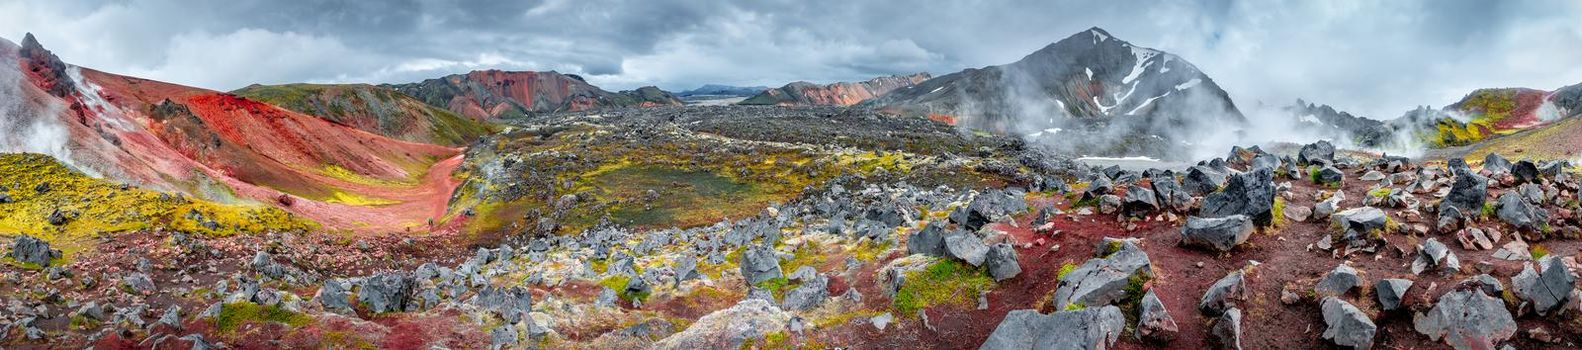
25 127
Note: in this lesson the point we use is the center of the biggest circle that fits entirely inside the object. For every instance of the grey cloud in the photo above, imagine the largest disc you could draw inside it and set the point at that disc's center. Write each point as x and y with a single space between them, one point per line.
1373 58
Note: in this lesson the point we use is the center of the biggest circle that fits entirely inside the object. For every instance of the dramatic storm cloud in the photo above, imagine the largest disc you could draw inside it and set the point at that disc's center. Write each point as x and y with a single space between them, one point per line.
1377 58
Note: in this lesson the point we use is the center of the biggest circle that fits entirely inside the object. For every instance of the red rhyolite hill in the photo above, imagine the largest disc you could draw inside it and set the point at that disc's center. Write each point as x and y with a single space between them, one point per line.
494 93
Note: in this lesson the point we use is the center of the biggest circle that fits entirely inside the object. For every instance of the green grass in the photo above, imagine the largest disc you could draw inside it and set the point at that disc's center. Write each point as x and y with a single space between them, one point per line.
776 286
1380 192
685 197
1538 251
618 283
234 315
1488 210
1278 211
945 282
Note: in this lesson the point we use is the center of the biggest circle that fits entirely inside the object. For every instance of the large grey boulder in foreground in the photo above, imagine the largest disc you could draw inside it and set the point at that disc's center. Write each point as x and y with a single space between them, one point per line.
1467 319
1548 288
1086 329
1348 326
1221 234
1104 281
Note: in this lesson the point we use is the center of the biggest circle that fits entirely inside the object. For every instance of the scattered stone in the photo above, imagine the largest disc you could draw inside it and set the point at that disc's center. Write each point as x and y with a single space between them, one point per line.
1094 328
385 292
1338 282
1139 201
1547 288
1250 193
1105 280
966 247
1434 255
1002 263
28 249
1329 175
138 283
1467 194
1321 152
808 295
759 263
1226 331
1154 322
1224 294
1467 318
882 321
1517 212
1220 234
1348 326
928 241
1372 175
1391 292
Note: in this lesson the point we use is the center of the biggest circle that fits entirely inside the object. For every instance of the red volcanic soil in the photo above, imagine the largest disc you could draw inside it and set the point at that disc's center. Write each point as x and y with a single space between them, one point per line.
262 151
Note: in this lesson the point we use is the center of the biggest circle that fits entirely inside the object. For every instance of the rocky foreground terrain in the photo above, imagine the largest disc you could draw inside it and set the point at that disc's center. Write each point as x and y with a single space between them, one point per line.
766 227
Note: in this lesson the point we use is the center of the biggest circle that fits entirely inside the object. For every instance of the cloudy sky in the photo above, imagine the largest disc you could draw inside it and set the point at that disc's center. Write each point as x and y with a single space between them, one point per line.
1377 58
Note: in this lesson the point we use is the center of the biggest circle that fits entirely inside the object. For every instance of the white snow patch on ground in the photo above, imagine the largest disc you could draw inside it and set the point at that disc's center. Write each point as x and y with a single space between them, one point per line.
1189 84
1142 55
1145 103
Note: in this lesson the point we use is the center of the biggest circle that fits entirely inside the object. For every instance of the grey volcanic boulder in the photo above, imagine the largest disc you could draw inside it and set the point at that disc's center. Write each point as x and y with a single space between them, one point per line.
1467 193
1548 288
809 295
1348 326
1224 293
1220 234
1321 153
687 269
1434 255
1139 201
1095 328
759 263
1001 262
966 247
1226 331
139 283
1100 186
1329 175
1105 280
928 241
1202 180
1525 172
1359 223
1153 320
1391 291
729 328
385 292
1495 164
335 295
33 251
1250 193
1338 282
1170 194
512 304
1467 319
1517 212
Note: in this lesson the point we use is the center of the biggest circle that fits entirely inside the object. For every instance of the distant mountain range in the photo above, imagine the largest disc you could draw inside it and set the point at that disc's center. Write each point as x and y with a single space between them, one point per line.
1101 95
493 94
803 93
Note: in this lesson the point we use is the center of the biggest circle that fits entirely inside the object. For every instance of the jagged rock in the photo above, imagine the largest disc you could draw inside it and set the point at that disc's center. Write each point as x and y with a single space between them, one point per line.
1109 204
1329 175
1001 262
1224 294
1361 223
1533 193
335 295
1553 168
1348 326
1321 153
385 292
1372 175
687 269
728 328
1153 320
512 304
1495 164
759 263
1094 328
1226 331
928 241
1525 172
966 247
1467 318
1098 187
1170 194
1467 194
1328 206
31 250
1220 234
1250 193
1547 288
1104 280
1338 282
138 283
1432 254
607 298
1391 291
1487 283
1201 180
502 337
803 274
1139 201
807 296
1517 212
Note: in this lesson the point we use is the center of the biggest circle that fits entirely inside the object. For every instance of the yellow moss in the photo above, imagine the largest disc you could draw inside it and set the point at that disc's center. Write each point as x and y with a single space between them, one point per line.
347 175
358 200
103 207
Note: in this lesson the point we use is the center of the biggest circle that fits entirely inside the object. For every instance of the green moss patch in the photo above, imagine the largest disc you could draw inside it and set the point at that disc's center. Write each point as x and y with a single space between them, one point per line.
945 282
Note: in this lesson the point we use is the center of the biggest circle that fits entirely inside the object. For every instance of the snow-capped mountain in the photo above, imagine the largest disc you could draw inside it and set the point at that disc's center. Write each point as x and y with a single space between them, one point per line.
1090 82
